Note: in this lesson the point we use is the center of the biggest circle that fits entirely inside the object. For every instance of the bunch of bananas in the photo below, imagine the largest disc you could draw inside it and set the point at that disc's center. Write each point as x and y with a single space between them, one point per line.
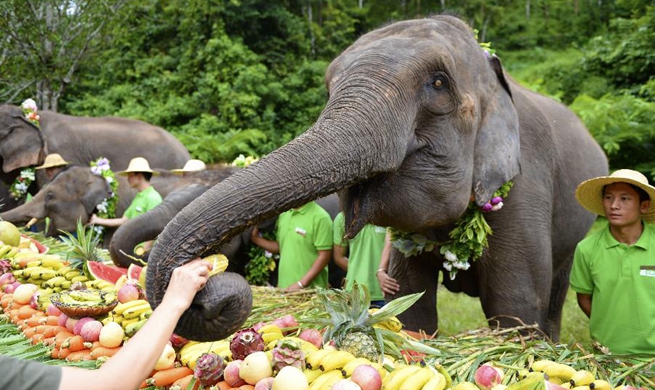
568 377
130 315
192 350
8 252
393 323
86 298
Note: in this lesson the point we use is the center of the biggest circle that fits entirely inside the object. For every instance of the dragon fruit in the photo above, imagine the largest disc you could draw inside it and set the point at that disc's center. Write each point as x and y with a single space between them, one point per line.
245 342
209 369
287 353
5 266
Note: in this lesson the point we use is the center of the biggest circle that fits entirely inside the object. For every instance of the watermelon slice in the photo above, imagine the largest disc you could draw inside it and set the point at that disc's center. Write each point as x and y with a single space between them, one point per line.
134 271
109 273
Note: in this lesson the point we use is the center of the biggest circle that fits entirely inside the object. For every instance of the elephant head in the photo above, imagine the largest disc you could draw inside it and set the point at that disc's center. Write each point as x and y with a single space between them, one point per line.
72 195
418 121
22 144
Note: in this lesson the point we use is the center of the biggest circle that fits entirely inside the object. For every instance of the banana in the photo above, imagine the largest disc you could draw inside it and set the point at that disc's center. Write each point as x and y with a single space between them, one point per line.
12 253
348 369
312 360
437 382
581 388
441 370
121 307
135 311
600 384
4 249
191 351
71 274
132 328
559 370
79 278
53 262
326 380
269 337
64 270
311 375
145 315
335 360
125 323
305 345
539 365
395 379
53 282
270 328
417 380
581 378
65 285
110 297
44 274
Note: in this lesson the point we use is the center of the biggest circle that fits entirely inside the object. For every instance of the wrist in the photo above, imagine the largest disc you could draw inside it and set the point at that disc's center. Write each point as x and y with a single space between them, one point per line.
381 270
300 284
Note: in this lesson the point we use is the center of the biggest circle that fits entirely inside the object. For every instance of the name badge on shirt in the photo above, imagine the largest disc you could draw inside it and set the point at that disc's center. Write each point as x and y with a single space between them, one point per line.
139 208
380 229
648 271
301 231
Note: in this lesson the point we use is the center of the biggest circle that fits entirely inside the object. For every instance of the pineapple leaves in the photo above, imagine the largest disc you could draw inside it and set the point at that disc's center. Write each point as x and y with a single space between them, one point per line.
394 307
83 246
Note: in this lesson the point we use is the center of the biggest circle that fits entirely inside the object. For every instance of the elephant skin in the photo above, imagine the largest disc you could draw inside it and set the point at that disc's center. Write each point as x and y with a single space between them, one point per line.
419 121
80 140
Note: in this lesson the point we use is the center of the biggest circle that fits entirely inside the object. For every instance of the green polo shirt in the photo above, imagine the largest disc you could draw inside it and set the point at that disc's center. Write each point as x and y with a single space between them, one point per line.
301 233
143 202
621 280
364 255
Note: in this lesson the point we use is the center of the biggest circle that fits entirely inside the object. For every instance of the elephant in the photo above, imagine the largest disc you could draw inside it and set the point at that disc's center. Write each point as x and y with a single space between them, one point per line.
420 122
80 140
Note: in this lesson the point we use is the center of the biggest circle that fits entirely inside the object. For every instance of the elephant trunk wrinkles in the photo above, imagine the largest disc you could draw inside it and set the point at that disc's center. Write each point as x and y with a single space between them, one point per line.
323 160
148 226
26 211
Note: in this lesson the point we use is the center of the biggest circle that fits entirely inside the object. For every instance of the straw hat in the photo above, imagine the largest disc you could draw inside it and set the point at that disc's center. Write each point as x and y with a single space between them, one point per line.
190 166
590 193
53 160
138 164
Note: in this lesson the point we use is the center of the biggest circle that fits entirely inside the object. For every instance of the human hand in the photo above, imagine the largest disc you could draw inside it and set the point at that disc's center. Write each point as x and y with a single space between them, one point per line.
93 220
388 284
186 281
293 287
254 234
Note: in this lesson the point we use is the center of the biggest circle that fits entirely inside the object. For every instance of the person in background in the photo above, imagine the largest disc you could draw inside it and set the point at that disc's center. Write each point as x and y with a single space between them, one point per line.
388 285
136 359
363 261
138 176
53 164
192 165
613 270
304 242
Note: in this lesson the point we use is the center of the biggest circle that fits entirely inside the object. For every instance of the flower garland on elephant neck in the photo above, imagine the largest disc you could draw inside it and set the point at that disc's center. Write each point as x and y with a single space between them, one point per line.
468 239
29 110
106 208
19 187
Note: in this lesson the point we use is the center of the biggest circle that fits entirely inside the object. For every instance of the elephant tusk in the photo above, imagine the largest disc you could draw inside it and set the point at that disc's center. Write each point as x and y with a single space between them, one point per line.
31 222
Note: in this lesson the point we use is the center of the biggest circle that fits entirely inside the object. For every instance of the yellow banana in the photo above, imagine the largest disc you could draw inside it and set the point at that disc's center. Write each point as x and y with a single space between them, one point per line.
398 376
72 274
559 370
581 388
440 369
313 359
312 374
600 384
417 380
437 382
539 365
582 378
121 307
269 337
12 253
335 360
135 311
326 380
305 345
127 322
219 262
270 328
4 249
348 369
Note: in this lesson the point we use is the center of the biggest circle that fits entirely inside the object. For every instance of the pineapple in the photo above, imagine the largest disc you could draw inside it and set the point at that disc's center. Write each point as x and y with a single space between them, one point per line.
350 325
85 247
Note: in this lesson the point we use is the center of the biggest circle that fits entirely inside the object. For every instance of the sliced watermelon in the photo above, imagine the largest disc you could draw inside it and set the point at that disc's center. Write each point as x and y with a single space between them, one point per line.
134 271
109 273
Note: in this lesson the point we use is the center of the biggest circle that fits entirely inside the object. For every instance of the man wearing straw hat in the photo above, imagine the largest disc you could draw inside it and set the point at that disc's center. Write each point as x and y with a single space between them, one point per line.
192 165
138 176
614 269
53 164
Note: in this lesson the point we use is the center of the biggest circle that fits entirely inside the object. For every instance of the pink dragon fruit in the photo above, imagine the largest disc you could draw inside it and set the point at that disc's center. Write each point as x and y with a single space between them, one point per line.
245 342
209 369
287 353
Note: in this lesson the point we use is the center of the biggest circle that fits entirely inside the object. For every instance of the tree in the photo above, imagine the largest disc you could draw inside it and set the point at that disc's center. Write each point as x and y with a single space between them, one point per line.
45 42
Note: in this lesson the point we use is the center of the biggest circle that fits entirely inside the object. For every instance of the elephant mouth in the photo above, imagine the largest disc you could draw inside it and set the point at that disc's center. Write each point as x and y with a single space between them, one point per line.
361 201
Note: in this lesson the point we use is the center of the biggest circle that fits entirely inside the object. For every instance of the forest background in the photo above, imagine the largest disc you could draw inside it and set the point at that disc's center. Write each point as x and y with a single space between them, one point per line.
247 76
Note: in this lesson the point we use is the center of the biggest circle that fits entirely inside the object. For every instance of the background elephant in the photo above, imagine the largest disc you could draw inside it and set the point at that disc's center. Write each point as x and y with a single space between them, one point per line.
420 121
81 140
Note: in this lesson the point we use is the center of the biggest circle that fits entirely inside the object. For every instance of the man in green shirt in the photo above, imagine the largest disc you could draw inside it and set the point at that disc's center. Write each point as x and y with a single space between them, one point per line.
138 176
614 269
363 260
304 242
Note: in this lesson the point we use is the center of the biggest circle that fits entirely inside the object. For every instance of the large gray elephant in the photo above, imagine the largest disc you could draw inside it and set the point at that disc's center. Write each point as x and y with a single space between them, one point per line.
419 122
80 140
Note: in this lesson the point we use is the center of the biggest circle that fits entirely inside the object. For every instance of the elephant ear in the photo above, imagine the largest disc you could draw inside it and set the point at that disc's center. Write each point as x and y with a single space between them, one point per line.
96 190
498 146
21 143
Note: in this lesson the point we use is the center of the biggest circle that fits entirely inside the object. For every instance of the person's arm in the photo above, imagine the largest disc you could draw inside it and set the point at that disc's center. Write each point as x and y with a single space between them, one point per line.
388 284
265 244
136 359
339 253
108 222
584 301
321 262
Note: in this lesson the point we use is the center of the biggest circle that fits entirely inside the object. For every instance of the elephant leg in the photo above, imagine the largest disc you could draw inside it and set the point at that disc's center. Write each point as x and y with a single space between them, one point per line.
558 293
417 274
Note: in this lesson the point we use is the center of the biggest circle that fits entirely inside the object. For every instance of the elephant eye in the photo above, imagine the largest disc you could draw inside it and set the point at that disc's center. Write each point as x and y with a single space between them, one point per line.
439 82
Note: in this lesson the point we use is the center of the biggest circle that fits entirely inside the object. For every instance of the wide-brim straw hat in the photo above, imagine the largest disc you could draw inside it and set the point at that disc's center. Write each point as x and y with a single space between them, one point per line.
191 166
53 160
590 192
138 164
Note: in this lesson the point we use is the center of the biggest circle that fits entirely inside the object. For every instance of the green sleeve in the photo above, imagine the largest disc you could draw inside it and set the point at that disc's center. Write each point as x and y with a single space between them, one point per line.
338 230
581 280
323 238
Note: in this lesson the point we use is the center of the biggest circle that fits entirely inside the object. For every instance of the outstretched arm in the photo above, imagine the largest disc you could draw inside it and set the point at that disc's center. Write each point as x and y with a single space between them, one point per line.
135 361
388 284
265 244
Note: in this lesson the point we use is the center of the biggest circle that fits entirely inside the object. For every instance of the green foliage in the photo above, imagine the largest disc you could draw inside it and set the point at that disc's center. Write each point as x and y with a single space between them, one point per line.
261 264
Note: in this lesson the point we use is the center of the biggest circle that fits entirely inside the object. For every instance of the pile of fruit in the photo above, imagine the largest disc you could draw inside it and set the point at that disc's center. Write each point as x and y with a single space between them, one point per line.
81 312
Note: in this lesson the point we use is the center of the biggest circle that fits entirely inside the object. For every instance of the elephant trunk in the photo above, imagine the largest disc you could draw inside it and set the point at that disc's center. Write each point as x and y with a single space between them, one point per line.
148 226
325 159
23 213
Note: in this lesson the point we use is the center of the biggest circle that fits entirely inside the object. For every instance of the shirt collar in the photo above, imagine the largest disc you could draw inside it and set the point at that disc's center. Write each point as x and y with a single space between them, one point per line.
642 242
302 209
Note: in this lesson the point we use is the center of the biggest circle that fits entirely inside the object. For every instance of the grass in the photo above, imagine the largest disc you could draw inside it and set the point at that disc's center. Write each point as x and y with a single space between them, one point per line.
459 312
